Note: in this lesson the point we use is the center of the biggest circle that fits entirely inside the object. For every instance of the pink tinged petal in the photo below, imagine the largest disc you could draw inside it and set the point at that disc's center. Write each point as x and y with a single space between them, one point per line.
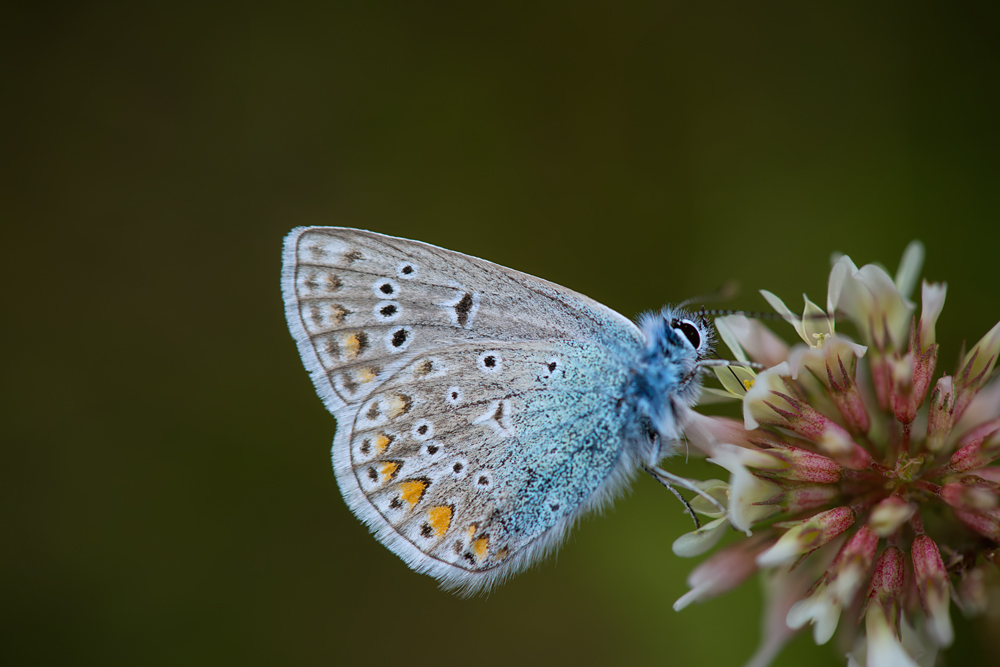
976 368
890 514
940 414
983 448
724 571
932 301
932 584
884 648
970 495
890 312
881 372
759 342
986 524
808 535
701 540
706 432
802 498
803 465
984 407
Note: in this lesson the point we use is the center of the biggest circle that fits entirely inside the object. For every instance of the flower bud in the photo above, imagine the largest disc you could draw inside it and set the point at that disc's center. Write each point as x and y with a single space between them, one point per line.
887 581
805 466
970 495
802 498
808 535
972 592
932 584
940 413
888 515
984 523
980 451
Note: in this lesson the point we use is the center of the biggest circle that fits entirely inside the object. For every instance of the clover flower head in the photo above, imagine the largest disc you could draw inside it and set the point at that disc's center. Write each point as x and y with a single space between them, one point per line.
866 483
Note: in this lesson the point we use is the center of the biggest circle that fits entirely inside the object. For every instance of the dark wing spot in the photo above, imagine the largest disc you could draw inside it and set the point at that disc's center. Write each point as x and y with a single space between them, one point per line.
498 415
333 283
385 288
457 467
366 448
462 309
311 283
372 475
422 429
388 311
353 256
349 383
423 368
490 361
426 530
469 557
395 503
554 506
432 449
332 348
407 269
373 411
399 338
483 481
552 366
362 339
457 546
454 395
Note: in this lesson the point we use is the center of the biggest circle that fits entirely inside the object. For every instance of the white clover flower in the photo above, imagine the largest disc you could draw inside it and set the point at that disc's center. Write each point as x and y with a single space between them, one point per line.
859 458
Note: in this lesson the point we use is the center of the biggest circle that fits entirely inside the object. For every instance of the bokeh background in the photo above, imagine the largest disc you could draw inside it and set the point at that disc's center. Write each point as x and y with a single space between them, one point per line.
168 496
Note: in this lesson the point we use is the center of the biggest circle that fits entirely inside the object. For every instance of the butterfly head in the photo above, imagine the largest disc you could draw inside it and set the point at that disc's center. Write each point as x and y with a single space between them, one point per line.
677 335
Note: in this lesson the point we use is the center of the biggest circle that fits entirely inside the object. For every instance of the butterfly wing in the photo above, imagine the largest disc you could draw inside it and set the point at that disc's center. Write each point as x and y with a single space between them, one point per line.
478 408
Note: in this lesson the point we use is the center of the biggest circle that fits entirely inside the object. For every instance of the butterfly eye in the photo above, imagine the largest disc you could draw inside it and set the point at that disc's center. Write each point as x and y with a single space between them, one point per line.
690 331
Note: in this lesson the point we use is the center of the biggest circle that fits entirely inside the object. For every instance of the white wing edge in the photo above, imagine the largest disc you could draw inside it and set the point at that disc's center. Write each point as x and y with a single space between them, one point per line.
452 577
293 315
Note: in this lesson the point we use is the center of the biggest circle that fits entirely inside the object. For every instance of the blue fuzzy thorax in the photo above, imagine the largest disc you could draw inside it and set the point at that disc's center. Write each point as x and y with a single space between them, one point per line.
665 378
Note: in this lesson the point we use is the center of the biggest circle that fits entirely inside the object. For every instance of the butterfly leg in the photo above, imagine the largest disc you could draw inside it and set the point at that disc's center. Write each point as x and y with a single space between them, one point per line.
668 480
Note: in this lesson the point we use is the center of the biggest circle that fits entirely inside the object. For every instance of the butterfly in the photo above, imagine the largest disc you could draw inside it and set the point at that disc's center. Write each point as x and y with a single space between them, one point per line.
480 411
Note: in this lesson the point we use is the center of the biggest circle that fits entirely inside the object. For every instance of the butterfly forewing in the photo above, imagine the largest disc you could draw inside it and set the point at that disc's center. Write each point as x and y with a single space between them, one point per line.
477 407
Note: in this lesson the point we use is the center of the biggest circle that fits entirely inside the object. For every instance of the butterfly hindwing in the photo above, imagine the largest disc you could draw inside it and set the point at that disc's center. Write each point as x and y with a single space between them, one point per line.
473 470
431 359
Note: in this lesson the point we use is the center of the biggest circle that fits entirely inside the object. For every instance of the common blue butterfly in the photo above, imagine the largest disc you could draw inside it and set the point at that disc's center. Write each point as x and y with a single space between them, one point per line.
480 411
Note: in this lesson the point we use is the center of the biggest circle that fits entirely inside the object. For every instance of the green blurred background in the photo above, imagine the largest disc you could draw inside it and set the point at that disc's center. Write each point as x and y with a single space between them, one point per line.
167 489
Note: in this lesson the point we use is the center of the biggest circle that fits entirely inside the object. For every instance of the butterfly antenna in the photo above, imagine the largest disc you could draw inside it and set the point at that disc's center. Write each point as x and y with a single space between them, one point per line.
728 291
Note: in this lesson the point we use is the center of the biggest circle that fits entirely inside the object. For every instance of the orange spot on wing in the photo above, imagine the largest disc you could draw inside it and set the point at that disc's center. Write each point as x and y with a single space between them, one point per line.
381 442
480 546
471 530
439 519
413 490
399 404
389 469
367 374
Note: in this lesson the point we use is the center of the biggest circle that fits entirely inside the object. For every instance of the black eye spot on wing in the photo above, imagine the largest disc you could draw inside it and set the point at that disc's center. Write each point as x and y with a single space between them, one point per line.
399 338
490 362
388 311
386 288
